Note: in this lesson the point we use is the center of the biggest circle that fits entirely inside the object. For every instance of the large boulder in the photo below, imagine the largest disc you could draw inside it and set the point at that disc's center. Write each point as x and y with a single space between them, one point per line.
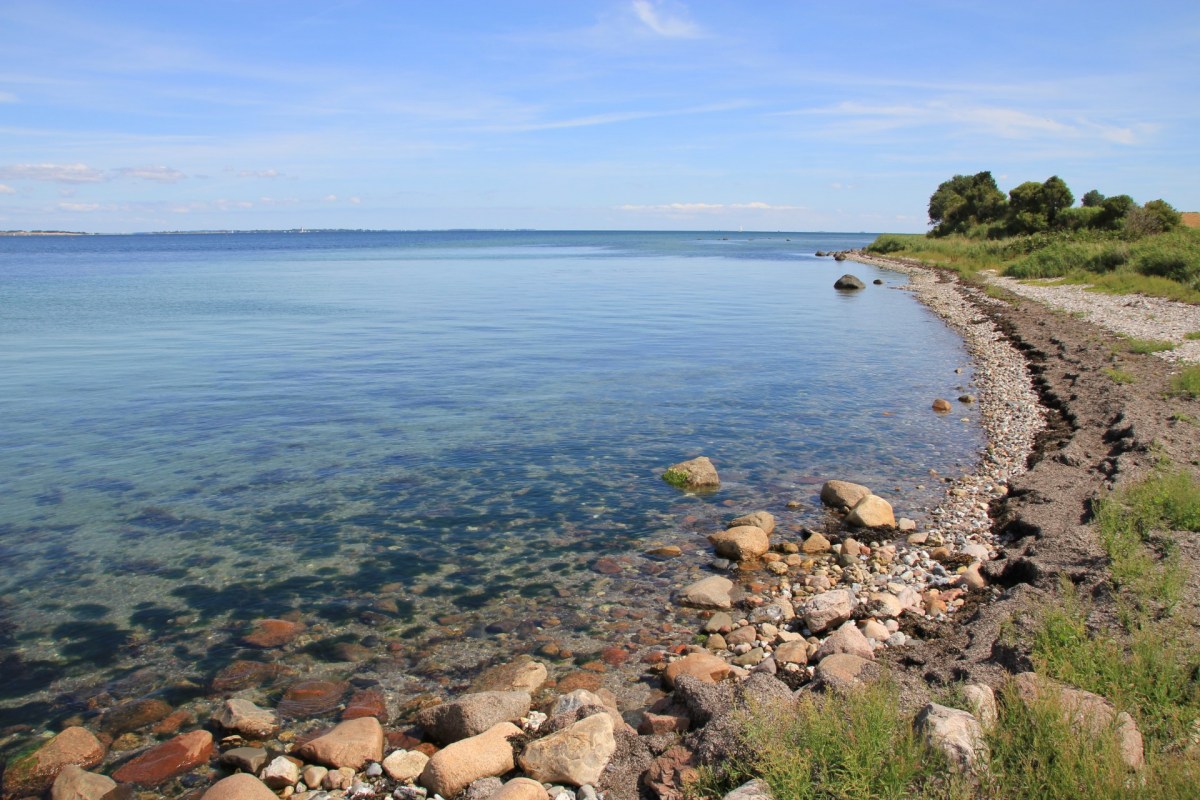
871 512
576 755
698 473
472 714
743 543
34 772
458 765
711 592
957 734
843 672
848 281
350 744
843 494
828 609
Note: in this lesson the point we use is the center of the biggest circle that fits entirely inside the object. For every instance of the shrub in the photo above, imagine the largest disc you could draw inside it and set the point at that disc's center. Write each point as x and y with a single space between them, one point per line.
887 243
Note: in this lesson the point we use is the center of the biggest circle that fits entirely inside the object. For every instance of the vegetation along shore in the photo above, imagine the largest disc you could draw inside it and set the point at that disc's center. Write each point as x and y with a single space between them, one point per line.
1035 638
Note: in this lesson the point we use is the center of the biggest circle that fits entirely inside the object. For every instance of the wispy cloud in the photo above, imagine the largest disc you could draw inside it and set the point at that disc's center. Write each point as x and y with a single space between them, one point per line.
999 121
156 174
259 173
669 23
707 208
7 189
58 173
616 117
7 97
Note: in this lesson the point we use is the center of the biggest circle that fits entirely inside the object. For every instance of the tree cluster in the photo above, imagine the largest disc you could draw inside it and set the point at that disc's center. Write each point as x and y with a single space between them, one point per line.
974 206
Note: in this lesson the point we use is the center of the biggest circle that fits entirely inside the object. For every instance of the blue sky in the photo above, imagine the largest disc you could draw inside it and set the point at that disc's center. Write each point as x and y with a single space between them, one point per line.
606 114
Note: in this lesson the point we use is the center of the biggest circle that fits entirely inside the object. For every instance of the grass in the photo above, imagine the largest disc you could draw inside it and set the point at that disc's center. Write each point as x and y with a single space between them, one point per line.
1146 346
1163 265
1186 383
1192 336
1119 375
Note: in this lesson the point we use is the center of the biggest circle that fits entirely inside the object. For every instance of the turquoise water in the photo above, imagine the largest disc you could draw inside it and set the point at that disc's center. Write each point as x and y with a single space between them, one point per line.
425 439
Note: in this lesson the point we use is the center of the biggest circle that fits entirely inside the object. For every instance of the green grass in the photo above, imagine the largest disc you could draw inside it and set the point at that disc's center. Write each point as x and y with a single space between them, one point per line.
1164 265
1186 383
1119 375
852 745
1192 336
1146 346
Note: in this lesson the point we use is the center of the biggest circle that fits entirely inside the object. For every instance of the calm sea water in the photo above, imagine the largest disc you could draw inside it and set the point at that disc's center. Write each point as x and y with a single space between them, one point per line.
419 439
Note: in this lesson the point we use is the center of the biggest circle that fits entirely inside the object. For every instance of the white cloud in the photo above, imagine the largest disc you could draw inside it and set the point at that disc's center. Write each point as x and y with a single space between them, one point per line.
663 22
61 173
707 208
7 97
330 198
615 117
156 174
7 189
1007 123
356 200
84 207
260 173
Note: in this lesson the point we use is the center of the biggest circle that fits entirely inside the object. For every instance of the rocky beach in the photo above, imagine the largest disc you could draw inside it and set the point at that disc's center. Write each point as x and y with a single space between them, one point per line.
779 611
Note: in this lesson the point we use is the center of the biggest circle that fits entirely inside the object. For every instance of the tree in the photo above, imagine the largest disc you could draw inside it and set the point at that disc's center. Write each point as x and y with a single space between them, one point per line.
963 202
1092 199
1167 216
1034 207
1113 211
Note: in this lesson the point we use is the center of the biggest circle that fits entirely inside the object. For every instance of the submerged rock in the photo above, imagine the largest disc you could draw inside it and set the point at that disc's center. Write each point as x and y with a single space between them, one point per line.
698 473
712 592
33 773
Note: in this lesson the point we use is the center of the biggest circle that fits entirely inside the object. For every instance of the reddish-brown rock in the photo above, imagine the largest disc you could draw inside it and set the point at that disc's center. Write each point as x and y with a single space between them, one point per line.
34 772
173 757
350 744
133 715
367 703
248 675
578 680
704 666
269 633
311 698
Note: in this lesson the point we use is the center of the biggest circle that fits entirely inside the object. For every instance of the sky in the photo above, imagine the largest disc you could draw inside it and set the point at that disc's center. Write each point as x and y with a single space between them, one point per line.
589 114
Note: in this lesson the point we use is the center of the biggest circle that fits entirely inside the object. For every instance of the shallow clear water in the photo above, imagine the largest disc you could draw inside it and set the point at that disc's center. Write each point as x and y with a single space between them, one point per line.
419 438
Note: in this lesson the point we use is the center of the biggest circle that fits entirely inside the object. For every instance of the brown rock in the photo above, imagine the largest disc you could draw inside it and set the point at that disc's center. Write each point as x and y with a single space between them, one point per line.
703 666
247 759
743 543
247 719
815 544
405 765
350 744
711 592
173 757
576 754
844 671
33 773
239 787
656 724
521 789
828 609
472 714
606 565
74 783
792 652
455 767
666 551
871 512
698 473
846 639
842 494
311 698
248 675
367 703
671 773
133 715
522 674
170 724
579 679
268 633
942 406
759 519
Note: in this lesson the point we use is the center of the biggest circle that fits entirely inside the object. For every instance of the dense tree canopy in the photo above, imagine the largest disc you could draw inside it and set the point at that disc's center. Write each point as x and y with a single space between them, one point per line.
975 206
965 201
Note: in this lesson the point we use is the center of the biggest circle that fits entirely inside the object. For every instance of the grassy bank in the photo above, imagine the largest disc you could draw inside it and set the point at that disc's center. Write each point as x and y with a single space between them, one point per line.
1136 651
1163 265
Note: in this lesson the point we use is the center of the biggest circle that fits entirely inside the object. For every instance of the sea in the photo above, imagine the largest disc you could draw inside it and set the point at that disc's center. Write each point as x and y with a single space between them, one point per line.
433 450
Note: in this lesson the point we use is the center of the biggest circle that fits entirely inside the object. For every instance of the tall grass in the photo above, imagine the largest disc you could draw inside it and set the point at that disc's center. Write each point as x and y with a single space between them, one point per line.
1186 383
